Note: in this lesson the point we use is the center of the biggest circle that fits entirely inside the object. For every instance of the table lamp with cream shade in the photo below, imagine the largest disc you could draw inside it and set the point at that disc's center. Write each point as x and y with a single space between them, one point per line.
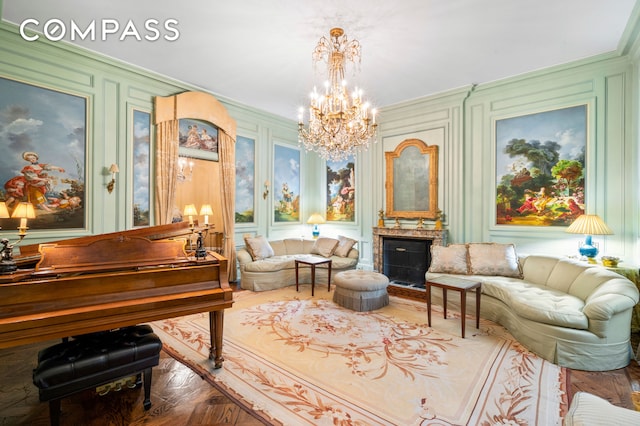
589 225
23 211
315 220
7 264
190 211
206 211
4 212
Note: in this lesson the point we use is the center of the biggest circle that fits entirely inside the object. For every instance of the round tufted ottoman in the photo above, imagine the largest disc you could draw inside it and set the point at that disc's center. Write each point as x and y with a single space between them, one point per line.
361 290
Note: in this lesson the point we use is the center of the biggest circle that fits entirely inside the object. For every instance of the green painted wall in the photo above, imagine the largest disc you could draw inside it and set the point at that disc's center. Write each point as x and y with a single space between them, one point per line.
113 90
461 122
466 119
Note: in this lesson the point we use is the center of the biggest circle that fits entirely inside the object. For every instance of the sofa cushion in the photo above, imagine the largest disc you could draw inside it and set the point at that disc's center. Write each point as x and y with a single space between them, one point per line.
270 264
324 246
258 247
294 246
565 274
537 269
587 410
338 262
493 259
344 246
449 260
538 303
279 248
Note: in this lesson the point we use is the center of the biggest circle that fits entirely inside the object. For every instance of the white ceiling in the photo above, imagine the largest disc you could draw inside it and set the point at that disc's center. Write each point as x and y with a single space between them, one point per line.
258 52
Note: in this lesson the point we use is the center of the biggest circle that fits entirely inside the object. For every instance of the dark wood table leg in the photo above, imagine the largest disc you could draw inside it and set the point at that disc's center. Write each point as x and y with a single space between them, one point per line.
297 275
428 289
463 308
329 277
478 294
444 301
313 278
216 327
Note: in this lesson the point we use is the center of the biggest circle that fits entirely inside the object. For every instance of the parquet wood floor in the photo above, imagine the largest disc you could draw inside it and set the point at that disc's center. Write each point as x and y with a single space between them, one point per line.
181 397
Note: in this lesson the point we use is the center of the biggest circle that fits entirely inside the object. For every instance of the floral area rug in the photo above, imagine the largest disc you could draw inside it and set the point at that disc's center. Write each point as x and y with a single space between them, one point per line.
302 360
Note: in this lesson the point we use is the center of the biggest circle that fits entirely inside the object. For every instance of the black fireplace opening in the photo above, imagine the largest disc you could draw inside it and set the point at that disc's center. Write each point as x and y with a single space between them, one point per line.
405 261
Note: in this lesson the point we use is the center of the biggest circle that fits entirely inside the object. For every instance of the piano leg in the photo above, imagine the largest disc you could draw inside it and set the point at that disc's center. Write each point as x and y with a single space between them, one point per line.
216 323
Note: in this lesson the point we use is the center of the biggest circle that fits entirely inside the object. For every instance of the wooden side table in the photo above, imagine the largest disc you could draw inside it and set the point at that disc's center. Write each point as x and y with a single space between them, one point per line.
314 261
457 284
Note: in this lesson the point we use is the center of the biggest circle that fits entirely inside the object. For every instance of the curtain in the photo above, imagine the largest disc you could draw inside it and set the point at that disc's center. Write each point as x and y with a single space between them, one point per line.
227 151
166 170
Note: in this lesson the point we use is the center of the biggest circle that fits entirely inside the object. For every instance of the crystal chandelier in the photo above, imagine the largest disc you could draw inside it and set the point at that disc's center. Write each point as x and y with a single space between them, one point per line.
339 123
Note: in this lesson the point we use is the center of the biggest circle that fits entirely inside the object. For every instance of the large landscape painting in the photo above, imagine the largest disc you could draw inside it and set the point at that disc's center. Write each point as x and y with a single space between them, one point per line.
245 180
43 142
286 185
540 167
341 190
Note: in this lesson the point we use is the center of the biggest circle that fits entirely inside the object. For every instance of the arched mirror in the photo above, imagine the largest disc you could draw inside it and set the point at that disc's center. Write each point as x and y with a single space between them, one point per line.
412 180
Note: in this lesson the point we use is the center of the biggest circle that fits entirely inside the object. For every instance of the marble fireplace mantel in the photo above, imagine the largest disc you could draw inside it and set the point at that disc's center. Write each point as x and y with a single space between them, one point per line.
437 237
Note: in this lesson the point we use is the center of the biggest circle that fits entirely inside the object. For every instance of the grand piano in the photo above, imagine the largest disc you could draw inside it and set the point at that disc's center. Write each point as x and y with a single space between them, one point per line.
113 280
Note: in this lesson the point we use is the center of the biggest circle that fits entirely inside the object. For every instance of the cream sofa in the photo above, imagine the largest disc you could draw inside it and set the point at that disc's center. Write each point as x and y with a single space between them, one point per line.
568 312
267 265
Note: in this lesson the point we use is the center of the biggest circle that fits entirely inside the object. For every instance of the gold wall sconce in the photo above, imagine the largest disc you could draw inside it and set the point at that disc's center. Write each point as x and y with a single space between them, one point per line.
113 169
265 193
185 169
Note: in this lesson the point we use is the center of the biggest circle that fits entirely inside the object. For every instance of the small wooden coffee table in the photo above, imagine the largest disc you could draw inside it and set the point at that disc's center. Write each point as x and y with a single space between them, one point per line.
314 261
457 284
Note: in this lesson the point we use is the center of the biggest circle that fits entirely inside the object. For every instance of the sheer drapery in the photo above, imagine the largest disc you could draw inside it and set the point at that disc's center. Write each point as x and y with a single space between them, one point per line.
166 170
227 151
201 106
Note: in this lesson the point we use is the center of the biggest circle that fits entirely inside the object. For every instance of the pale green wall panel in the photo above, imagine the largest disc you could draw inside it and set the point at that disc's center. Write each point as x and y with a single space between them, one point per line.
608 84
113 90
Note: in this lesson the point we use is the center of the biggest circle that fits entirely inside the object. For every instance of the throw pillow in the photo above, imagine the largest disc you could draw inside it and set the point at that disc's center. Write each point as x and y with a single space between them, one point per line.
344 246
449 260
324 246
258 247
494 259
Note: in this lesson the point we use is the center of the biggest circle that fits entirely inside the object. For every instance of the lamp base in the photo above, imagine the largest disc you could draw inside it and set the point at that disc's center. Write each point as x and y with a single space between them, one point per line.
316 232
588 249
201 252
8 266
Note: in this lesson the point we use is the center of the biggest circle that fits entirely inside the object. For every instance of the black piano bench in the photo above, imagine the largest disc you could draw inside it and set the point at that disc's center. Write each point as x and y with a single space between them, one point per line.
93 360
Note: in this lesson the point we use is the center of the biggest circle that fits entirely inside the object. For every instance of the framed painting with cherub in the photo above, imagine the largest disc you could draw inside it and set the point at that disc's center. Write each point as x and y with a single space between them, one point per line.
540 167
43 140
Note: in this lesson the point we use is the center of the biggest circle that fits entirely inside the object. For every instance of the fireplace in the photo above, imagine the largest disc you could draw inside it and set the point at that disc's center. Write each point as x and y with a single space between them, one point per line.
404 255
405 261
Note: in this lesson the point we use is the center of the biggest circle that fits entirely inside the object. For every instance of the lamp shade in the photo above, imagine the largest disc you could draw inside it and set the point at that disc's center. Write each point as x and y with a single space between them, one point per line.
206 210
589 224
4 212
24 210
315 219
190 210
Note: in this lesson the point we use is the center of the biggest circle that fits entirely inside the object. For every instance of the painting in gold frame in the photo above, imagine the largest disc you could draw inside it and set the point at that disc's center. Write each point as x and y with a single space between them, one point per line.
412 180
